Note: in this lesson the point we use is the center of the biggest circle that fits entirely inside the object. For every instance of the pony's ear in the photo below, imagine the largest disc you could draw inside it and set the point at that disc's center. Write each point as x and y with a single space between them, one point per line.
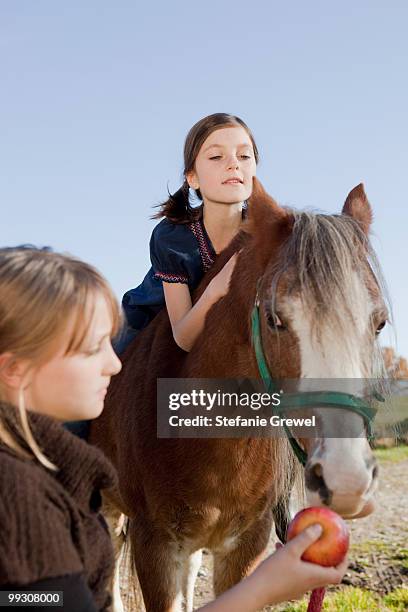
262 209
268 223
358 207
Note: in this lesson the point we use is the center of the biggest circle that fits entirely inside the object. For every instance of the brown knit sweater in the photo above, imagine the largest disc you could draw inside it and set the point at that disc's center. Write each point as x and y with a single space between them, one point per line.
50 524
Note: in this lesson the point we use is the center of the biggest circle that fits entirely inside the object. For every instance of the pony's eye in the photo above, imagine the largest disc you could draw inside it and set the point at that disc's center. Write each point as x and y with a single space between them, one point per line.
380 327
274 321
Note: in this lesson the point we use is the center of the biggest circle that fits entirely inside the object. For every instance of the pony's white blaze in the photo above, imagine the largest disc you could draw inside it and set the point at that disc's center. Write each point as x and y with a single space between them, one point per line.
334 355
343 466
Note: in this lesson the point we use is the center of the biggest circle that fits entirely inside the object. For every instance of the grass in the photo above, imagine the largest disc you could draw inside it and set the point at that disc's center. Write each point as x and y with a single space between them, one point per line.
393 454
355 599
371 546
352 599
397 600
402 557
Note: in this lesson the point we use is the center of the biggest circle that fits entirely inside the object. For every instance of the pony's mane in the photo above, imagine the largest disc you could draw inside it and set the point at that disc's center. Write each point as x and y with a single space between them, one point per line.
323 253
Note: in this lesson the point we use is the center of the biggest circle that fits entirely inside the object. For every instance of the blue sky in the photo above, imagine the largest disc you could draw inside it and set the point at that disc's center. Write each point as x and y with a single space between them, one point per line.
97 98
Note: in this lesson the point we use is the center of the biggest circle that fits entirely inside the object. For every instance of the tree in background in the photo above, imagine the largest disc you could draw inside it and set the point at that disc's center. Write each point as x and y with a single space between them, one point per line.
397 370
397 367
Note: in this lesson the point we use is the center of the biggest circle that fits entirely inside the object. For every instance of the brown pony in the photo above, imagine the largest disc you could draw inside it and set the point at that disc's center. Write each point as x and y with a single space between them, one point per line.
320 308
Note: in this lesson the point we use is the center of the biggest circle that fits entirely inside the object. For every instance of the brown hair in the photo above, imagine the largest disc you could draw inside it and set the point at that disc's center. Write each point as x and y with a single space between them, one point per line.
178 208
39 292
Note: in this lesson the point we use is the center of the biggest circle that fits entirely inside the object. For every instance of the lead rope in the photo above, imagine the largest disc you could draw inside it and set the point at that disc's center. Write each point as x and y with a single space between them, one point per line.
316 600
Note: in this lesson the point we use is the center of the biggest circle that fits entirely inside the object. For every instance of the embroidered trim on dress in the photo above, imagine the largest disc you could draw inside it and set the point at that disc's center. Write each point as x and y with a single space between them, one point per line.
206 258
171 278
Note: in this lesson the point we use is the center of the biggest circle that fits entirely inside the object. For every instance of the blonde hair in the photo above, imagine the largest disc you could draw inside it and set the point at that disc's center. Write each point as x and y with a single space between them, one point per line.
40 291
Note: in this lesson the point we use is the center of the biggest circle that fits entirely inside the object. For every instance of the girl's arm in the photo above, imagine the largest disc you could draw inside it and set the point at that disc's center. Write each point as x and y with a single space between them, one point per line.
281 577
187 321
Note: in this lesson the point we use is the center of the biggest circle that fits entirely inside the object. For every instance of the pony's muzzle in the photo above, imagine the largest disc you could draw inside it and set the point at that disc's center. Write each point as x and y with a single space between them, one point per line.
345 495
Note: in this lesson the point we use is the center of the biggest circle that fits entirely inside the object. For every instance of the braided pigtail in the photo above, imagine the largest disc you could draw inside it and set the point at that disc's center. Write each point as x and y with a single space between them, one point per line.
178 208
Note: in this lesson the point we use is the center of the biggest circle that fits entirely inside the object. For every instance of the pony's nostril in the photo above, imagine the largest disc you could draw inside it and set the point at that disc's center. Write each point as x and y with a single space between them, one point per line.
375 472
315 482
318 470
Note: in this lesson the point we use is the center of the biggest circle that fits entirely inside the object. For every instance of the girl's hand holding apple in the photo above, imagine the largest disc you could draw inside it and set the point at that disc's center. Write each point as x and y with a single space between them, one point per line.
287 576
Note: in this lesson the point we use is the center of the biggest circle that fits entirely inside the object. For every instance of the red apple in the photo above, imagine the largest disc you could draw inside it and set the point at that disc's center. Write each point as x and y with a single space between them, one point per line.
332 546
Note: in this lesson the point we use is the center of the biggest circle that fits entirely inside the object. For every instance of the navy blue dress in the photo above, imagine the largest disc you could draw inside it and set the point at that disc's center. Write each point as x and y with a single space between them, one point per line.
179 253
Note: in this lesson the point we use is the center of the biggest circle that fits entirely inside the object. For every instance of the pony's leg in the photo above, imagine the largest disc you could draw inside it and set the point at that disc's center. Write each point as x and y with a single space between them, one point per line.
192 567
231 567
115 520
117 605
160 567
